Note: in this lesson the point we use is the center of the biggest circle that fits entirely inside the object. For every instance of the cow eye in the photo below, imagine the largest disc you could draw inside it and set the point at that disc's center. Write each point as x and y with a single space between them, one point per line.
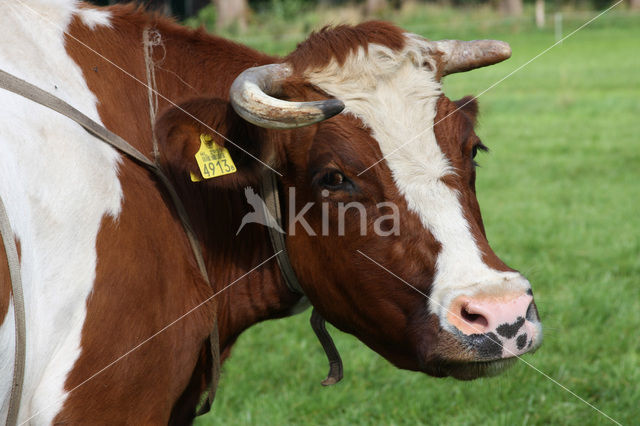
474 152
477 147
333 179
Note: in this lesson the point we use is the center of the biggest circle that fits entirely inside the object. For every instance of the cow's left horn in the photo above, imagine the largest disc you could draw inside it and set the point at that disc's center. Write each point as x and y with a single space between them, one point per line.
251 97
460 56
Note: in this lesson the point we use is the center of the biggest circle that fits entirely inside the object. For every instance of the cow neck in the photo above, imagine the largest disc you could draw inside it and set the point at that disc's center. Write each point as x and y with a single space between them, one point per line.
151 38
273 304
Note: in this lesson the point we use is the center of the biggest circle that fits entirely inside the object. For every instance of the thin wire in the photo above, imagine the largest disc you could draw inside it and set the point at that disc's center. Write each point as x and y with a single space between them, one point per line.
516 356
492 86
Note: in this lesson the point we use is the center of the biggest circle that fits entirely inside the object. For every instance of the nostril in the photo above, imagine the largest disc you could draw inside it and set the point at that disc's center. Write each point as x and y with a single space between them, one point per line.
532 313
475 319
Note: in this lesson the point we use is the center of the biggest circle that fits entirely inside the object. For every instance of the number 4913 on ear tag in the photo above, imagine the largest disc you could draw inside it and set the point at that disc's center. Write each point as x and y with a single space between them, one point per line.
213 160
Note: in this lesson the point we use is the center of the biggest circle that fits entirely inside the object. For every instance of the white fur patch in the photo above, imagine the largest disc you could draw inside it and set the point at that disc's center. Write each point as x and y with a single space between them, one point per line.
57 183
395 95
93 18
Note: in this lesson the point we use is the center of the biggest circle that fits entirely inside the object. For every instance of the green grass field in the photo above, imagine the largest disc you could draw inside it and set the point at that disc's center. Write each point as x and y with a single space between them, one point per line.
560 195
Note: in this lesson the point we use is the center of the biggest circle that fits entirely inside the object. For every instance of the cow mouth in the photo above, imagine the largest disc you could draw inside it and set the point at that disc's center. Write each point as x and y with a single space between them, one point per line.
476 369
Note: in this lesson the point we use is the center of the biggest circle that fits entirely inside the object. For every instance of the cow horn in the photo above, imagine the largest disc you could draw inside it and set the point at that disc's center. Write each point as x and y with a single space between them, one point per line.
251 97
460 56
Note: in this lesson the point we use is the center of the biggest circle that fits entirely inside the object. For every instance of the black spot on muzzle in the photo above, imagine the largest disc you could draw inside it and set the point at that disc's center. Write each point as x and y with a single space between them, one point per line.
487 346
521 341
510 330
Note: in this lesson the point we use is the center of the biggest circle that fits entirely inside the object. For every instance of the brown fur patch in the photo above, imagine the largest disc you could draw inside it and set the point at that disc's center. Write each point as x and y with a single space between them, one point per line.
6 285
336 43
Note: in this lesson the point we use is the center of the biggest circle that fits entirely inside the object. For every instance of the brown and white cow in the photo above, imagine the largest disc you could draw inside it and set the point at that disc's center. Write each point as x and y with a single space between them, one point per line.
106 263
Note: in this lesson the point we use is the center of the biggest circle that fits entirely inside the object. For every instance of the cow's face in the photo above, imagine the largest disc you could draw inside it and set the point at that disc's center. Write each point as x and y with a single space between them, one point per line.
397 254
419 284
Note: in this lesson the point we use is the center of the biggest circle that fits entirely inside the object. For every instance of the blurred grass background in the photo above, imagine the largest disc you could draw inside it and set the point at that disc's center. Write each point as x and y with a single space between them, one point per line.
560 197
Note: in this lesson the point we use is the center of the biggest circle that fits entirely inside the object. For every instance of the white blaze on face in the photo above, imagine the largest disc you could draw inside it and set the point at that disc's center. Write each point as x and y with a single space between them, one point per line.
57 183
395 95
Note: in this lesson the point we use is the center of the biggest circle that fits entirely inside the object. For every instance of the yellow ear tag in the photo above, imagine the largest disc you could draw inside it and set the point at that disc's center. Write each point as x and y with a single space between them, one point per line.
213 160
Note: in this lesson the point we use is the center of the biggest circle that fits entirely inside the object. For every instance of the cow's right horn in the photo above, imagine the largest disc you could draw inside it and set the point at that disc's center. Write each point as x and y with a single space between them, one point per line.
251 97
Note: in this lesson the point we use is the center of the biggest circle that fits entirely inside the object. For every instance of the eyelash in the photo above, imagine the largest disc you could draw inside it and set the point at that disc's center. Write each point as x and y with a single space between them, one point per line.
474 151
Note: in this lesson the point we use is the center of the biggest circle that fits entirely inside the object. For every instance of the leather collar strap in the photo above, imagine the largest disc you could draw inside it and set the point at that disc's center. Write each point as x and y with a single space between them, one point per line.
35 94
18 315
271 197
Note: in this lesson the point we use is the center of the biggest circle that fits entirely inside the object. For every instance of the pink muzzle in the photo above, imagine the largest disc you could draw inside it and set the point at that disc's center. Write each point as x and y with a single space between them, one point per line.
497 326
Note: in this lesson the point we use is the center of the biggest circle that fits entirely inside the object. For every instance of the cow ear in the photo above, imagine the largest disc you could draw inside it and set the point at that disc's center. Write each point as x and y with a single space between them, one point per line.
181 130
468 105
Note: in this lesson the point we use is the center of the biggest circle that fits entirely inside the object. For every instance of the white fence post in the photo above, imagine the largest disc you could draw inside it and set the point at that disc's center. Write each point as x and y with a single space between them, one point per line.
540 13
558 24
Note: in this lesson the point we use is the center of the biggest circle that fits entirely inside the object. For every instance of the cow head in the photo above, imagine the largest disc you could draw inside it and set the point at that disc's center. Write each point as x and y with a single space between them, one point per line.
416 279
